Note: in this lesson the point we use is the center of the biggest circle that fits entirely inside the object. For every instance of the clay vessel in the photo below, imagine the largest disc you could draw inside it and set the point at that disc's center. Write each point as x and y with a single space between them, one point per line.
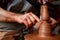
44 28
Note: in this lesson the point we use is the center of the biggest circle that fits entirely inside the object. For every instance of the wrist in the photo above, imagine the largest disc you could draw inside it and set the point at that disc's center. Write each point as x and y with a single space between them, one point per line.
17 17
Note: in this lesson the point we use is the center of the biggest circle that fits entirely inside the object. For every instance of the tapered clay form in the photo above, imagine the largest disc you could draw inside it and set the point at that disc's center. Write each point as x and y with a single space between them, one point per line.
44 28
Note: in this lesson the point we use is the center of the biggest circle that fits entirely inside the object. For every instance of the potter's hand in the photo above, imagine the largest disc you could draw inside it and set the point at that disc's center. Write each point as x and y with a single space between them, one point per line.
52 21
42 1
28 19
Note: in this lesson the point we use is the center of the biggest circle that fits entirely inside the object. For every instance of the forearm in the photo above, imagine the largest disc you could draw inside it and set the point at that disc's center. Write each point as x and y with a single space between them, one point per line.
7 16
6 19
7 13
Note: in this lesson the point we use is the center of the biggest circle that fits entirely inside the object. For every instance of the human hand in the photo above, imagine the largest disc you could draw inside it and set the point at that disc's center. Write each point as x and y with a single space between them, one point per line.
42 1
52 22
28 19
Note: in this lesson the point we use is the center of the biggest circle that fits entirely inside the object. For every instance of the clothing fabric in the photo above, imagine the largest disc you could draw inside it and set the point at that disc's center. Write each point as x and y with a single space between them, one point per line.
19 6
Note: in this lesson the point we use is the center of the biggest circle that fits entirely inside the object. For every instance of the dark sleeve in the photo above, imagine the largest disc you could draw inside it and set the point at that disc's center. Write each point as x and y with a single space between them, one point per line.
34 3
3 3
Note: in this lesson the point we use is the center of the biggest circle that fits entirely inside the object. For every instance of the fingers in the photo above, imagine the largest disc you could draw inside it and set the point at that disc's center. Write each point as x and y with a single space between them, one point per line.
35 17
42 1
53 21
25 22
30 19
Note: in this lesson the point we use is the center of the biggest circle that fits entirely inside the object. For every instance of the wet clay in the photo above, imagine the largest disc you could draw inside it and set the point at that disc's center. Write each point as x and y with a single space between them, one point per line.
44 27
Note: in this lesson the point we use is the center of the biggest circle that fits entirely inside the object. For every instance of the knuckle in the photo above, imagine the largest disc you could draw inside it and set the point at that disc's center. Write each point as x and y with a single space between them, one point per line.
30 23
27 15
33 19
24 19
30 13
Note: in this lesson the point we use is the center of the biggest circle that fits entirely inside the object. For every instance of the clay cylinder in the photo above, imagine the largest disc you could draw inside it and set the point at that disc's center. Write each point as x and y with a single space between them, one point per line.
44 15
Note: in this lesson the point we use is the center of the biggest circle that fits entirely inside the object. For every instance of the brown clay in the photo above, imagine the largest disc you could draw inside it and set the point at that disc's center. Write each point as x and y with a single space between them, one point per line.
44 30
44 13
